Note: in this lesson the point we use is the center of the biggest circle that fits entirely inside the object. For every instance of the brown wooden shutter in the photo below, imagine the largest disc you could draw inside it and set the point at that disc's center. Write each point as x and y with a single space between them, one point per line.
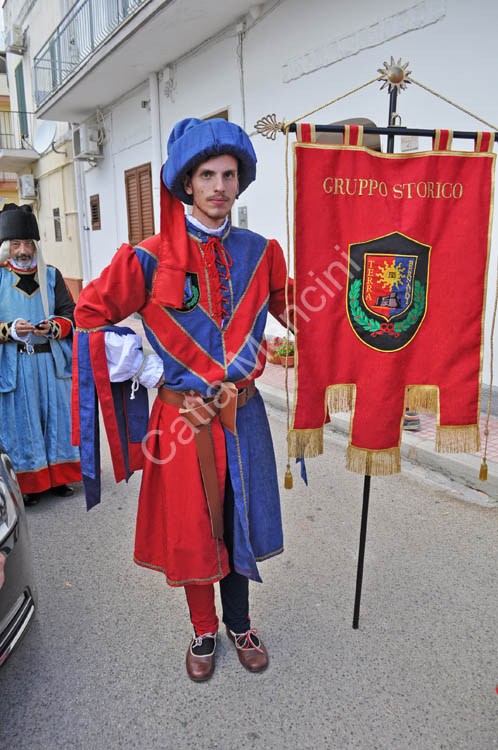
138 185
95 211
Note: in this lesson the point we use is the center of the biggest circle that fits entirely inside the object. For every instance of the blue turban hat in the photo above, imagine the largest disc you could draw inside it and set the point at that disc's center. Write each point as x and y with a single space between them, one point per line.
193 141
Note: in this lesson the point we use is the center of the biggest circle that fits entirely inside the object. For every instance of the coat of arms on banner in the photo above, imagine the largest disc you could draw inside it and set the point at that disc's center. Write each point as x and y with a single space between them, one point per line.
387 290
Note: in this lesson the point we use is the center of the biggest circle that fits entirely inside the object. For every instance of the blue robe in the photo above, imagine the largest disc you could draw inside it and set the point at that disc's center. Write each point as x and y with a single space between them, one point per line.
35 391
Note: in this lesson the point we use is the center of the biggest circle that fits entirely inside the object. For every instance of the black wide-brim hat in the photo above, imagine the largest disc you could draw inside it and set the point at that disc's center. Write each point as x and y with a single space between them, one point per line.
18 223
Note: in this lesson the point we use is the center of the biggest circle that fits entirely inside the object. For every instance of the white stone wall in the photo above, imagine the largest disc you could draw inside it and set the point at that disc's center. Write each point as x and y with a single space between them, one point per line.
128 144
294 59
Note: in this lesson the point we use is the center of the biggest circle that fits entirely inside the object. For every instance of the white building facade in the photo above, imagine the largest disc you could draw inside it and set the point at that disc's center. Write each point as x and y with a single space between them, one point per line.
41 151
127 70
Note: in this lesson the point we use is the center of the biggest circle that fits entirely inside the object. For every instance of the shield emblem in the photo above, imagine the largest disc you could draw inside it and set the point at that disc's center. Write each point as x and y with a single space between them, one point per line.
387 290
191 294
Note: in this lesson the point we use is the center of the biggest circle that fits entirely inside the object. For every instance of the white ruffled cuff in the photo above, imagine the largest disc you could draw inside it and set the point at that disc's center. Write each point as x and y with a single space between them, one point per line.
152 371
15 335
126 360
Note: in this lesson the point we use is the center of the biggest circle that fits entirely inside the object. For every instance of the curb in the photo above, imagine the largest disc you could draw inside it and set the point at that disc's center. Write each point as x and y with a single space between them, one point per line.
459 467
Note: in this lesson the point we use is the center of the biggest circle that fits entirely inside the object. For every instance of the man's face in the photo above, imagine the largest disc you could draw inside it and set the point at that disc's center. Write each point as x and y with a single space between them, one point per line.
22 251
214 186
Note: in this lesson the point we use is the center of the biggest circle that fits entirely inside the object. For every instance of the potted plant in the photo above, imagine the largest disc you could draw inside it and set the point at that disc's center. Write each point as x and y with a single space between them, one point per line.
286 353
271 349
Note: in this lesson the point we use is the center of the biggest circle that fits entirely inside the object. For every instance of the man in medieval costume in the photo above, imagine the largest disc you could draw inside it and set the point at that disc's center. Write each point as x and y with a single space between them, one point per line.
36 314
209 505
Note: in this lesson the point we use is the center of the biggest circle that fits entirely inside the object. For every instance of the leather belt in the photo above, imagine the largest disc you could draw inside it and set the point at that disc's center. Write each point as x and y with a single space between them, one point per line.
199 411
33 348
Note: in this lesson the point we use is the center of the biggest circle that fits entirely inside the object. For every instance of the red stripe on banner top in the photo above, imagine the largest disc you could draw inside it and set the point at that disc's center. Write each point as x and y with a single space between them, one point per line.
103 385
304 132
485 141
353 135
442 140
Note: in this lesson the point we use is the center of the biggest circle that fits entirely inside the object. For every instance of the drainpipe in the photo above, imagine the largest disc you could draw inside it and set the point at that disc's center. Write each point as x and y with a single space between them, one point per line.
86 261
155 121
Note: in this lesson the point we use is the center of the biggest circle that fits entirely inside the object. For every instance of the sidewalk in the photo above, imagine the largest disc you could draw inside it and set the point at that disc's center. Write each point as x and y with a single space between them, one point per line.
417 447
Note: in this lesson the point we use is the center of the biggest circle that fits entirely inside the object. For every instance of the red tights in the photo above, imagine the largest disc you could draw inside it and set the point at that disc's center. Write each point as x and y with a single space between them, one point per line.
202 608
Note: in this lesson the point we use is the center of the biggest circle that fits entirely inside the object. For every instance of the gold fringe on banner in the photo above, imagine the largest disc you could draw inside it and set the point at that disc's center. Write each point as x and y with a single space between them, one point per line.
423 398
340 397
458 438
374 463
305 443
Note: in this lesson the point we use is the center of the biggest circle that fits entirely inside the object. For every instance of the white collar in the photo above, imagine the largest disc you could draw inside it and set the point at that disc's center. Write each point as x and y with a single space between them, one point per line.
207 230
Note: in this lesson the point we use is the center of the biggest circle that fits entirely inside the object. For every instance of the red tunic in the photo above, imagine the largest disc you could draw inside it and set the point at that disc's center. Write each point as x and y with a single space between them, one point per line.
218 335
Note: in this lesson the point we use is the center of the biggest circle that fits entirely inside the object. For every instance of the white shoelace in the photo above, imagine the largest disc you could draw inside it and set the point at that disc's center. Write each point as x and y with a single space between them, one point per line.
199 638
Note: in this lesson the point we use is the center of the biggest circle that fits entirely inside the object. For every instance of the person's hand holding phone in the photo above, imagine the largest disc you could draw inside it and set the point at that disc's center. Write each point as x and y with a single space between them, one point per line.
23 327
42 328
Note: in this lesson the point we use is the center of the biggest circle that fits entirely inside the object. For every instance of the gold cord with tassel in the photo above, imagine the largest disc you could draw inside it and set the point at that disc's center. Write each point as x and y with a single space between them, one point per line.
288 483
288 478
285 126
483 472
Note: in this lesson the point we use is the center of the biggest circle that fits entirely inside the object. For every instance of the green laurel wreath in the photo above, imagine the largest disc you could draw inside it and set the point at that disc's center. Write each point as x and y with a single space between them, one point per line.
372 325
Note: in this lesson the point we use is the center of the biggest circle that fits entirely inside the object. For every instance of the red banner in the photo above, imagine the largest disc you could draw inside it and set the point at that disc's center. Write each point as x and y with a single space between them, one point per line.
391 256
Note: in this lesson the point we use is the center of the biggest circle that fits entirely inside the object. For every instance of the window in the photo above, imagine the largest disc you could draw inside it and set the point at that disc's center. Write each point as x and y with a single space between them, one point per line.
139 204
95 211
57 224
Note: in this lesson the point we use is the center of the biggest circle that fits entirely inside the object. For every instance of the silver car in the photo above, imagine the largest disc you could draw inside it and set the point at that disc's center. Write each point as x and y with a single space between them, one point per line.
17 593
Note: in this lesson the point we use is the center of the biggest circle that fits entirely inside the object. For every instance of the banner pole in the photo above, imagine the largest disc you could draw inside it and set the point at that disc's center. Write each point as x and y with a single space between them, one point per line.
393 98
361 551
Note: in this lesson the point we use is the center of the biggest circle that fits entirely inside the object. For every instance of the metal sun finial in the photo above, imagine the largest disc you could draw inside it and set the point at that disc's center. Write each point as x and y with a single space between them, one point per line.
395 75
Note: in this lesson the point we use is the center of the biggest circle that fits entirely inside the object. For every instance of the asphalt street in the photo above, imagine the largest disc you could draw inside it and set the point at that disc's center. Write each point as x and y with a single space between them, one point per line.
102 666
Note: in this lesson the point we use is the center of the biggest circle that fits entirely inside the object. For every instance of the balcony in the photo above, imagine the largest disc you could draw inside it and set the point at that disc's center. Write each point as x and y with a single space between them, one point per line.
16 153
104 48
83 30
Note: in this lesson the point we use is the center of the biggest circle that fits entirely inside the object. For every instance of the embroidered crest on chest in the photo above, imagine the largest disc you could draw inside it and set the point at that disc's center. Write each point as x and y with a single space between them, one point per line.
192 292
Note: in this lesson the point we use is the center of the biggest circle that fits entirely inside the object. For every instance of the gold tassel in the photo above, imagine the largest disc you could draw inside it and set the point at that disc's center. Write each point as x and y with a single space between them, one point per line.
423 398
305 443
340 398
288 478
483 471
375 463
458 438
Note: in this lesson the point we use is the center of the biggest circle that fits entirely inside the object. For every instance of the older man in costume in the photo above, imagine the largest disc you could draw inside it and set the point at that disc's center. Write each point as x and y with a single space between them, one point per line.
209 505
36 314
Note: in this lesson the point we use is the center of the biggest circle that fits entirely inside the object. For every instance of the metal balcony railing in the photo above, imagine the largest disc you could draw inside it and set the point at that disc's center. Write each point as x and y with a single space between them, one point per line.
82 30
15 129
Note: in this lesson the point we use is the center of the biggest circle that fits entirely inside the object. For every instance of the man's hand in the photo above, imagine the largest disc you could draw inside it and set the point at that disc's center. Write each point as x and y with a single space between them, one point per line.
2 565
42 330
160 382
23 327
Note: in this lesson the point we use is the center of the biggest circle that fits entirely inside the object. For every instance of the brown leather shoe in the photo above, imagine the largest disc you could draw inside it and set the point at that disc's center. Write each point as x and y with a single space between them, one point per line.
250 649
200 657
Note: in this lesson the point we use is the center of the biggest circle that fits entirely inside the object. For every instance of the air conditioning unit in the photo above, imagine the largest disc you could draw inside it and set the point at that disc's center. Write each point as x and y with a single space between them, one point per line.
86 142
27 187
14 41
